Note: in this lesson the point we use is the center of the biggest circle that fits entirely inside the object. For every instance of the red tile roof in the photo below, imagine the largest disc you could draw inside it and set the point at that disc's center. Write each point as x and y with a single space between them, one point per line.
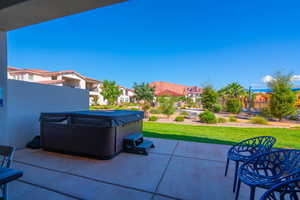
44 73
168 93
165 88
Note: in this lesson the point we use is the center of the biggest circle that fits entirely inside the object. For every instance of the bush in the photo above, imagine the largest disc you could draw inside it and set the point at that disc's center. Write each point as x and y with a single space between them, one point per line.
293 117
233 105
179 119
184 113
232 119
266 112
153 118
155 111
208 117
222 120
217 108
167 106
258 120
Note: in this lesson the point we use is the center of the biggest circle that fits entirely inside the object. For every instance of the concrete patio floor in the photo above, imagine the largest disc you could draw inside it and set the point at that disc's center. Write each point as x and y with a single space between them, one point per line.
173 170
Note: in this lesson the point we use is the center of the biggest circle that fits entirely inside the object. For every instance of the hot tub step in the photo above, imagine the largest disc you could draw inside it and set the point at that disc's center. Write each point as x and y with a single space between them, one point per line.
135 143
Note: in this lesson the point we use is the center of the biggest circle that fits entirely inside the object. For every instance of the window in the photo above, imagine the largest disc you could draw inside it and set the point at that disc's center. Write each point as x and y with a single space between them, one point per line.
30 77
54 77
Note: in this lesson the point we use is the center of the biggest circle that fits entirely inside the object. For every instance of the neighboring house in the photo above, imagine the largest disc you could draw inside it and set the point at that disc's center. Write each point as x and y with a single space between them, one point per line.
126 96
172 89
263 96
194 92
60 78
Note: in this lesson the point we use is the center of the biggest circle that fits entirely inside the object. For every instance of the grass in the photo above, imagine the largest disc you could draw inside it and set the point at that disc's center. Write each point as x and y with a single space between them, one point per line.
286 138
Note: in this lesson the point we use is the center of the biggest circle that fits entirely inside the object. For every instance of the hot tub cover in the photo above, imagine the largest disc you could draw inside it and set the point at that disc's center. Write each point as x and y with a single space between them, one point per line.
103 118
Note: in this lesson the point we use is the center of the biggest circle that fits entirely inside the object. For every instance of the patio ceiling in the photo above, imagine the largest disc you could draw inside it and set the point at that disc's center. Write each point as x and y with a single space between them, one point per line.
19 13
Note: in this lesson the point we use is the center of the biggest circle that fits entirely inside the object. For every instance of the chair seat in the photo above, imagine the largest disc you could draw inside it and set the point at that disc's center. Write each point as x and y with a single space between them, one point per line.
7 175
240 156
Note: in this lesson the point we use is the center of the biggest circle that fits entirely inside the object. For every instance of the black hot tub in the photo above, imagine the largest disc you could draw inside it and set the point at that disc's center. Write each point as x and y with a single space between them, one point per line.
97 134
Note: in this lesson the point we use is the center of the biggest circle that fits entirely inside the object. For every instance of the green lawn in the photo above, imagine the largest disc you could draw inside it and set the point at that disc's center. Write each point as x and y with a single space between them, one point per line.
286 138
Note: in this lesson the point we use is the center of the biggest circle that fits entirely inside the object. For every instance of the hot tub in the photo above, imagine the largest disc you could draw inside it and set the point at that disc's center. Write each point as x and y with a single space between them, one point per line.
97 134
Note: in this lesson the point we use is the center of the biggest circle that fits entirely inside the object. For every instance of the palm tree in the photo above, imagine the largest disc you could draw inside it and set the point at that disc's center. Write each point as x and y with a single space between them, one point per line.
232 96
233 90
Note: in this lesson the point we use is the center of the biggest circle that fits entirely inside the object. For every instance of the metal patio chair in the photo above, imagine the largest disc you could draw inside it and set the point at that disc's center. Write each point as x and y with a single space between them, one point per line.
247 149
288 190
269 169
6 155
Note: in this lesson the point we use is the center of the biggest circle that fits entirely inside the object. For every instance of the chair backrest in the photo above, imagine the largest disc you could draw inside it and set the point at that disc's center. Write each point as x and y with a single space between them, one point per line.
276 163
261 144
288 190
6 155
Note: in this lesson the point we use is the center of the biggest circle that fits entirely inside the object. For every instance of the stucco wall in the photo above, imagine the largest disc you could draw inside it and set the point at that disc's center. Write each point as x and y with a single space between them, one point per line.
27 100
3 78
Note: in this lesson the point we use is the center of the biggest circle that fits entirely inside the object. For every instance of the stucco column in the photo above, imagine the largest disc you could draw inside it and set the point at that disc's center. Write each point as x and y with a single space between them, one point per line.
4 139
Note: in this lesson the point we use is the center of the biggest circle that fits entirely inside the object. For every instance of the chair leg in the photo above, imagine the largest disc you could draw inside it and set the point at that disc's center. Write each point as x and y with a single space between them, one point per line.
4 192
238 190
227 163
235 174
252 193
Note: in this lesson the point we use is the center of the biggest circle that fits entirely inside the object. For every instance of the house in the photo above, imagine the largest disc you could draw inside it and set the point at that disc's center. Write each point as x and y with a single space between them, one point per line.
68 79
126 96
59 78
263 96
171 89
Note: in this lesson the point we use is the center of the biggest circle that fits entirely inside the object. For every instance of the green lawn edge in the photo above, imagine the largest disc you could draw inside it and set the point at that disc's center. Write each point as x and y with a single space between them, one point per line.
286 138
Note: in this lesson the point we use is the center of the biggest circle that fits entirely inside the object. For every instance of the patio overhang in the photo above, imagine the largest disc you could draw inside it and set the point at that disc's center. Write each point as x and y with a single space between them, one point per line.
16 14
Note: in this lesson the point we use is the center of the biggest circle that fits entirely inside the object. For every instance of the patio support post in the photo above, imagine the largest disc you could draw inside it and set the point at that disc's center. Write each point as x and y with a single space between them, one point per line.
4 139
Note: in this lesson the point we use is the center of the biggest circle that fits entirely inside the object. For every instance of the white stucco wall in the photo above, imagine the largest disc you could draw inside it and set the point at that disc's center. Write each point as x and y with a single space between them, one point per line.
27 100
3 88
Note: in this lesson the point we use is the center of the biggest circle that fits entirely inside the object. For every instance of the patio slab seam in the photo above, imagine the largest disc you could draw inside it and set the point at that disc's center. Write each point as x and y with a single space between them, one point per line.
164 172
196 158
50 189
88 178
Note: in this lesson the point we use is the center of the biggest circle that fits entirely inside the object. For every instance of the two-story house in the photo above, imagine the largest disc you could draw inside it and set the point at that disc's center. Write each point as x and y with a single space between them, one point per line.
59 78
68 79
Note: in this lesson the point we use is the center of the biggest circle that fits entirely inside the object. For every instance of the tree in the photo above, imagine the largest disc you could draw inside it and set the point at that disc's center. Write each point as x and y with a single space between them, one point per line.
209 98
283 99
232 96
145 95
232 90
95 100
110 91
167 105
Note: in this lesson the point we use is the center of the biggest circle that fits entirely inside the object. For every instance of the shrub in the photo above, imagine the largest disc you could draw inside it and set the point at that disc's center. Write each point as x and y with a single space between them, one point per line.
217 108
293 117
232 119
258 120
153 118
208 117
167 106
233 105
222 120
155 111
184 113
179 119
266 112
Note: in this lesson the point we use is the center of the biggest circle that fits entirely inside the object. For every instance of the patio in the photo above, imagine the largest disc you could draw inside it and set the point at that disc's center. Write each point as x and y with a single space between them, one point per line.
173 170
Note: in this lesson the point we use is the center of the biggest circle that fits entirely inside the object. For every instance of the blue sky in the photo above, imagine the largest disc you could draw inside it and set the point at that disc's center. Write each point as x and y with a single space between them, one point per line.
191 42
